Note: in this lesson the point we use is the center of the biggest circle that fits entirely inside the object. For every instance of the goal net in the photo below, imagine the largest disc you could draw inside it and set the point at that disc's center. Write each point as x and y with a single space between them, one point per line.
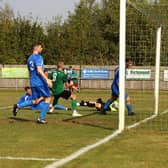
147 80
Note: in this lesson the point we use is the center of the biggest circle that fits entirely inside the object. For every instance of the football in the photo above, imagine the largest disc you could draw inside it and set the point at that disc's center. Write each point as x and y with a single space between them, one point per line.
114 106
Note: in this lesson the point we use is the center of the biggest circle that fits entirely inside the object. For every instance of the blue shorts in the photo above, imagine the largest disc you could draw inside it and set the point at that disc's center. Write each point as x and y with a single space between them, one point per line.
115 93
40 91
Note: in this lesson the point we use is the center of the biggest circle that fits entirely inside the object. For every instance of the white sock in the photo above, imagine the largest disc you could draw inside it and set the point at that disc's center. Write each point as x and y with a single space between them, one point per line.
78 104
74 111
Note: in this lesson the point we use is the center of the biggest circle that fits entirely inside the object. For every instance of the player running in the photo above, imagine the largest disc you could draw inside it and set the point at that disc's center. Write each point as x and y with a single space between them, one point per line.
115 91
39 82
27 101
59 78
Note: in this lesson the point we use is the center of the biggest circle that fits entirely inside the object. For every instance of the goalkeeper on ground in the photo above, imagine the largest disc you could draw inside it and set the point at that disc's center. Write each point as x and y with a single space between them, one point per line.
115 91
99 104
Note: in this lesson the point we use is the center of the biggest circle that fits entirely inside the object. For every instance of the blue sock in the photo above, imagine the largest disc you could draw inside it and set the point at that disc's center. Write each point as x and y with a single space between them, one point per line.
44 109
59 107
129 108
25 104
107 105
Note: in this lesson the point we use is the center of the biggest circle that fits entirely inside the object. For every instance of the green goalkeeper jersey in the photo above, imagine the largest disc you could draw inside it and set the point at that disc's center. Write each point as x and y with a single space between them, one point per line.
58 78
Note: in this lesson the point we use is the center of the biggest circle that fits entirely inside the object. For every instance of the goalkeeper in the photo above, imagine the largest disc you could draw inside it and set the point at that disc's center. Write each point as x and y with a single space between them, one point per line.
99 104
115 91
59 78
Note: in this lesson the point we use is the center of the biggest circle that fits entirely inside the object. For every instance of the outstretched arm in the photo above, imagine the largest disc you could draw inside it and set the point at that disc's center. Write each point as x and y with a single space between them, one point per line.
40 71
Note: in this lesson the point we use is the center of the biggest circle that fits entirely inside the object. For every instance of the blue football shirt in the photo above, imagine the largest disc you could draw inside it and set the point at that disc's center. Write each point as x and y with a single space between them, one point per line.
33 62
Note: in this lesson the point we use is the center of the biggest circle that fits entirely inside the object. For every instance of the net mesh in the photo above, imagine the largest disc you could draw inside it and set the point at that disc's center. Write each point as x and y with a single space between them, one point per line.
143 19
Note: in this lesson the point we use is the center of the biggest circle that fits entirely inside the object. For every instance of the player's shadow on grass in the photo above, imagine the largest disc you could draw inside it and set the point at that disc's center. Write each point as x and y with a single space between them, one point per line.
74 121
57 113
86 110
93 125
20 119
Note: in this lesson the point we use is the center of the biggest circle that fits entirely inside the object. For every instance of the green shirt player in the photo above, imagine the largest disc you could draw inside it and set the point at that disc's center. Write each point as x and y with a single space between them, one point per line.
59 78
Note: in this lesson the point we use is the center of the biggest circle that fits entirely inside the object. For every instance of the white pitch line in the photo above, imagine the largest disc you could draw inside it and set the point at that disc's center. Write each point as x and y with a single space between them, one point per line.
27 158
84 150
164 112
24 158
141 122
4 108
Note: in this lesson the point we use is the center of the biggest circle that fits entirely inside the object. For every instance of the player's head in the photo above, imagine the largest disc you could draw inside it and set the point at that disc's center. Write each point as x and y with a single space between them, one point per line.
37 48
129 63
60 65
73 70
28 90
99 104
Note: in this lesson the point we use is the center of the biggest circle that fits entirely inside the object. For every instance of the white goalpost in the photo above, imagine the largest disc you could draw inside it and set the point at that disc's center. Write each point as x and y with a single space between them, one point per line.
157 69
122 56
122 52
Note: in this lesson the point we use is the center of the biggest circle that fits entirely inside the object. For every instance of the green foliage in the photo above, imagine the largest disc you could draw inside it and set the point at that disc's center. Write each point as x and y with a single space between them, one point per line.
90 34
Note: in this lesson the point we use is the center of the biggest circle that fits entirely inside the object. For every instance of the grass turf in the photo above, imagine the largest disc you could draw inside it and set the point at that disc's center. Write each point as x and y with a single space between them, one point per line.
22 137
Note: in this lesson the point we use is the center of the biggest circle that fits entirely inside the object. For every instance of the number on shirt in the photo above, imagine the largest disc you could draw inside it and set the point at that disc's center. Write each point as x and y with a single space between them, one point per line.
31 64
54 77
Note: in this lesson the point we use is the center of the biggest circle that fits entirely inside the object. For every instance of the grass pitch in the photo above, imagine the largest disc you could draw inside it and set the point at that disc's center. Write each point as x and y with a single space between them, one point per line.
145 146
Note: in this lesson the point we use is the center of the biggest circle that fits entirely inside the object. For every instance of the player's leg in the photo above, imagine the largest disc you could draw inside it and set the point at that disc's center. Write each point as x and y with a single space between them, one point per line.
55 102
74 106
27 103
60 107
42 91
21 105
129 105
57 106
107 103
114 96
68 94
45 108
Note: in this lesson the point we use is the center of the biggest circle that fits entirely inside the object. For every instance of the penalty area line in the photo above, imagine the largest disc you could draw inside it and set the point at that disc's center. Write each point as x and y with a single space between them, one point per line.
84 150
28 158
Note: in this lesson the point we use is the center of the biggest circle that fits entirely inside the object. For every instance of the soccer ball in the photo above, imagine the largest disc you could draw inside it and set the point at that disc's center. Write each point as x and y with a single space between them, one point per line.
114 106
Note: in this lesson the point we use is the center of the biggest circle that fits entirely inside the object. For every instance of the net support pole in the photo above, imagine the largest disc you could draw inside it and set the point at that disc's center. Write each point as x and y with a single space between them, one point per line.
157 69
122 52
